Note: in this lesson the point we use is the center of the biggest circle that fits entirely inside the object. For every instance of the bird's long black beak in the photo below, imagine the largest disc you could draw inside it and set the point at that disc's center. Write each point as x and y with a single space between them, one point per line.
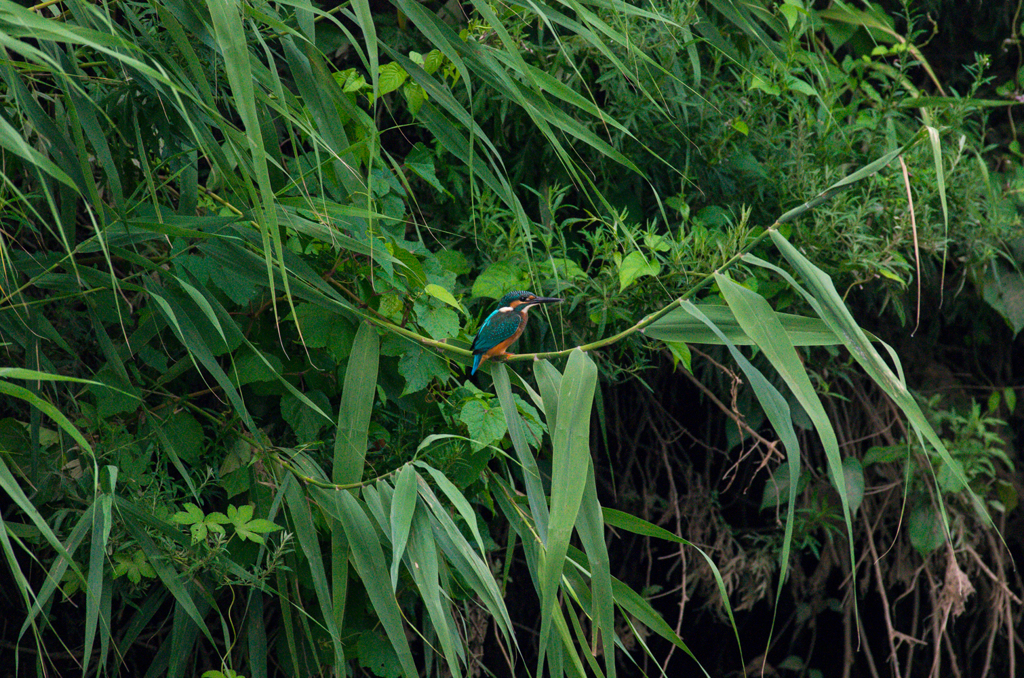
543 300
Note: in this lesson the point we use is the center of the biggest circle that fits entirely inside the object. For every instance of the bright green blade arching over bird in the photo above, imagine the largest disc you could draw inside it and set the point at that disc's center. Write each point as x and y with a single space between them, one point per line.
504 325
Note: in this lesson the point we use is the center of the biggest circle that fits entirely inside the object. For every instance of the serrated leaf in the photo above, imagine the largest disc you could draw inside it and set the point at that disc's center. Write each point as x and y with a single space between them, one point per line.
240 514
249 368
432 61
486 424
419 366
191 514
315 323
560 268
390 306
440 323
453 261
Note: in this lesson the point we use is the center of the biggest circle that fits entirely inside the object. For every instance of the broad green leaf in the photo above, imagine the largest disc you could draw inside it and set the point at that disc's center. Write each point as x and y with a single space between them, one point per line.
499 279
439 323
420 366
444 295
853 475
486 424
392 76
636 265
777 489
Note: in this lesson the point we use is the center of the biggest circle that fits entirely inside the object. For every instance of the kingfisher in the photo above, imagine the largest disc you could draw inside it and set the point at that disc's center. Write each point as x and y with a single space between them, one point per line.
504 325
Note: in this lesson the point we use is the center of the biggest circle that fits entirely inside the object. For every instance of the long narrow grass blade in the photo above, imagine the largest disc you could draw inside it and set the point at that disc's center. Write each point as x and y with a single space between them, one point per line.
403 503
590 528
305 532
423 558
827 303
463 557
549 380
571 452
759 321
531 472
96 590
368 559
680 326
356 406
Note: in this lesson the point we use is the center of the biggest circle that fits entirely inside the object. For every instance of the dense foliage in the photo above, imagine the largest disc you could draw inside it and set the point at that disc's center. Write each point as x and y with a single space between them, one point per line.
245 247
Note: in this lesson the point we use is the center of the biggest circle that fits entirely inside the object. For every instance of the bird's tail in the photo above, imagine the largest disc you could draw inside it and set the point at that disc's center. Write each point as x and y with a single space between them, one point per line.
476 362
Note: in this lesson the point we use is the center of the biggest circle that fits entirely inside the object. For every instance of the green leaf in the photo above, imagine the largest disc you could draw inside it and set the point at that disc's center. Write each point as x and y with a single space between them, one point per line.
924 524
949 476
679 326
635 265
420 366
439 323
444 295
415 96
1003 290
853 474
190 516
571 453
403 503
680 354
377 656
250 368
420 161
531 470
186 435
776 490
499 279
486 424
369 563
303 420
830 307
247 527
392 76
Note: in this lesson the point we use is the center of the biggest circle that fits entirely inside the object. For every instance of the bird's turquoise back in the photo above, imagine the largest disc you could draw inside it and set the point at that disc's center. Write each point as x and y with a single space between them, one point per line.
496 328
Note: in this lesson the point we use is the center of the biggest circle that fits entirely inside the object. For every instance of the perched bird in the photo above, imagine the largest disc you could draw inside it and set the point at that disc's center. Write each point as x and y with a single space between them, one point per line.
503 326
